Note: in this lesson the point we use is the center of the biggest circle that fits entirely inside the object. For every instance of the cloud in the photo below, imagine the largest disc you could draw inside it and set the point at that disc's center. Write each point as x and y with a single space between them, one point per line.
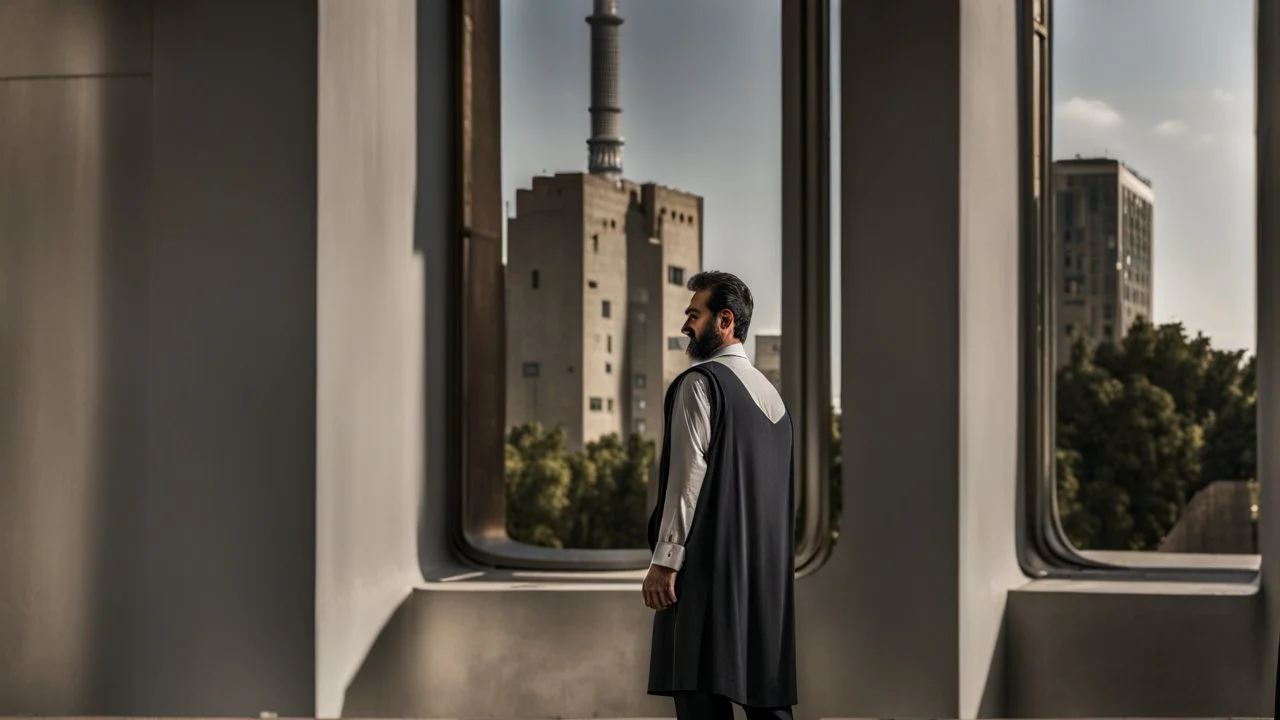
1170 128
1216 96
1092 113
1204 140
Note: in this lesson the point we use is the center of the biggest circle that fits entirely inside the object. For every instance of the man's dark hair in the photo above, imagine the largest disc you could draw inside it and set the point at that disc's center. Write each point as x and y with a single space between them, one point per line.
727 291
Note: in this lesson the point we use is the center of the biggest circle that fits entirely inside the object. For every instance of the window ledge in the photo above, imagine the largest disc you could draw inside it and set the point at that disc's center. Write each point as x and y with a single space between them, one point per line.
466 579
1175 561
504 553
1125 586
1155 573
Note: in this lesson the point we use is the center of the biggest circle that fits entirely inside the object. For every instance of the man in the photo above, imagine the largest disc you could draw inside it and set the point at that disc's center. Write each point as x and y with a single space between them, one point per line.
722 579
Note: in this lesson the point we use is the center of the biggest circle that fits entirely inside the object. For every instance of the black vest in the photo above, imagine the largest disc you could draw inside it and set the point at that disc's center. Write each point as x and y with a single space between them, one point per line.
731 631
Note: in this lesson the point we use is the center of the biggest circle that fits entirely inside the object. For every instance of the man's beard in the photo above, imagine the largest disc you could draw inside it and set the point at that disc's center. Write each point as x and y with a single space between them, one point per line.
702 345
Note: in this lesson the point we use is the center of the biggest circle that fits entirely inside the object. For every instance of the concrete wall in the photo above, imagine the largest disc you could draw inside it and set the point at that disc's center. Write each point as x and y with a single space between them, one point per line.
210 396
75 176
988 357
1268 138
157 428
370 322
228 587
1126 649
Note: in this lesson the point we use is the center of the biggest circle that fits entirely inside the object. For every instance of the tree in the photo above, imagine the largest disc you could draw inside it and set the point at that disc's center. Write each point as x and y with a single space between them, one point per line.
1079 526
538 479
590 499
1144 425
597 498
608 509
1231 438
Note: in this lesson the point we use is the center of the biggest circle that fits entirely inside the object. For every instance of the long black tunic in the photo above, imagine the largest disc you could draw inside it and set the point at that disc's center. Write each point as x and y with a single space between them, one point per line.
731 631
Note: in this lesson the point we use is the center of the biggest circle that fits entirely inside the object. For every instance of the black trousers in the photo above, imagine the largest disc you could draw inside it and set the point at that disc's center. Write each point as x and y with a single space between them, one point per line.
705 706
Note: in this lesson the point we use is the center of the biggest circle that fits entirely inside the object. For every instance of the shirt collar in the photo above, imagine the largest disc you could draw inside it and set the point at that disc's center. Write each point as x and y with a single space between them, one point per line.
732 349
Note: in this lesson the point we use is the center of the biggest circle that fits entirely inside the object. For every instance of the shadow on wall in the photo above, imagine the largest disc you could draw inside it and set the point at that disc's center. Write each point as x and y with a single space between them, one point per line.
537 653
553 653
995 700
434 236
119 506
74 243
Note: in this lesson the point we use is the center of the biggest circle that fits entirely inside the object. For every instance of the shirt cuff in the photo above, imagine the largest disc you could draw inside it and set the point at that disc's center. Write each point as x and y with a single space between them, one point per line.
669 555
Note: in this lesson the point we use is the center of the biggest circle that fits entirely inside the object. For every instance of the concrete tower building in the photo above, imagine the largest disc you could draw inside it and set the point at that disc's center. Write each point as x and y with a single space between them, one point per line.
595 279
1104 250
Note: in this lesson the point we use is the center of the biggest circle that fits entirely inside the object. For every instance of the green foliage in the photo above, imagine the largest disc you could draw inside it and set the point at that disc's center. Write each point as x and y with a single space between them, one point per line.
537 478
595 498
1142 426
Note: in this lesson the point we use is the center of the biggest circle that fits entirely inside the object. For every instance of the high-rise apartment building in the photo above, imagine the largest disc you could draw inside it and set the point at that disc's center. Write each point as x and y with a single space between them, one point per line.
595 281
1104 250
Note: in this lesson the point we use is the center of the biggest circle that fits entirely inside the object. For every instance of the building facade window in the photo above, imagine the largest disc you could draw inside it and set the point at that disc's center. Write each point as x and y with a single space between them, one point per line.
496 311
1110 354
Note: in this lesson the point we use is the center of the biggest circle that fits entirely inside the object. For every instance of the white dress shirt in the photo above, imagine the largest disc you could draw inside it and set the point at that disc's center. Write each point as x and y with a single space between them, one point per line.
690 438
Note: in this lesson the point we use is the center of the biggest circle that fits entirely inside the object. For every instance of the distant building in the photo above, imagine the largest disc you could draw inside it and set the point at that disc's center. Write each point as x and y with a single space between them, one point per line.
596 273
595 281
1104 245
769 358
1220 519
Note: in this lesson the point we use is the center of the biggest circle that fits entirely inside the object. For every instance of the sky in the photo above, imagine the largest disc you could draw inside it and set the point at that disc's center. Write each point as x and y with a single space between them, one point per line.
1165 85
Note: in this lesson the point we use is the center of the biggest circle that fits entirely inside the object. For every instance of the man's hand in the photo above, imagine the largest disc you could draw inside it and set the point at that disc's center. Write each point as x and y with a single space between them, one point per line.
659 587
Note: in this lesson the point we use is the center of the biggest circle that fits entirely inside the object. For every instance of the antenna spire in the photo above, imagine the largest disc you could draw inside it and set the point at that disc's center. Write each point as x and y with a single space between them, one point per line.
604 148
